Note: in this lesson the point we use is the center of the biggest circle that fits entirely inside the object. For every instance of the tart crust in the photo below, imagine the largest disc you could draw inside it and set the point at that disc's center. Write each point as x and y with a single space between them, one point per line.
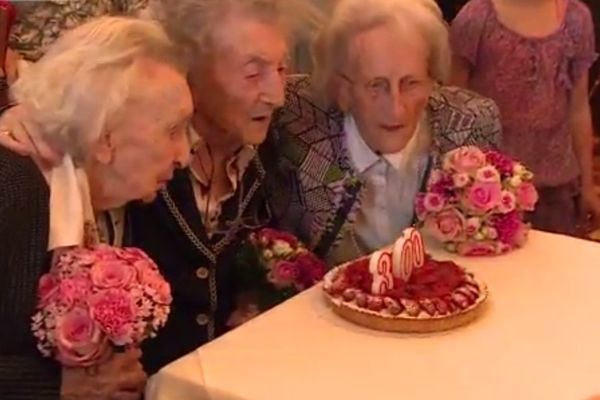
384 321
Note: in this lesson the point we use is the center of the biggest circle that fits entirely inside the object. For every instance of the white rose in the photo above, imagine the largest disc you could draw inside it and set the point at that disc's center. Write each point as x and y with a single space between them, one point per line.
515 181
281 248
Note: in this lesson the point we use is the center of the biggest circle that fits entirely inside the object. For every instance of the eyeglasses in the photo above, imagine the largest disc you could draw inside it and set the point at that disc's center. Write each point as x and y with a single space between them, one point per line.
382 90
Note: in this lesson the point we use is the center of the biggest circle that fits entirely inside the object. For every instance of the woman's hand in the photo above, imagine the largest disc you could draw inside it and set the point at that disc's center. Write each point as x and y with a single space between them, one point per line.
27 142
120 377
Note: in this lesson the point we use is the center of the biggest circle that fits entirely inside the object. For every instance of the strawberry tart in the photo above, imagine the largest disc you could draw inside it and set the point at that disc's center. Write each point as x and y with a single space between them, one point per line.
403 289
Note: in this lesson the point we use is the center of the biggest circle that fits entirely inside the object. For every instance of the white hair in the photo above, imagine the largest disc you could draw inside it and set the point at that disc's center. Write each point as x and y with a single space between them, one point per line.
193 22
351 17
77 89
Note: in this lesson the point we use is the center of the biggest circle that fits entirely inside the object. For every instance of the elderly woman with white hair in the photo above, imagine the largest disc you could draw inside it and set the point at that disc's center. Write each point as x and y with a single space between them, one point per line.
358 142
239 54
110 98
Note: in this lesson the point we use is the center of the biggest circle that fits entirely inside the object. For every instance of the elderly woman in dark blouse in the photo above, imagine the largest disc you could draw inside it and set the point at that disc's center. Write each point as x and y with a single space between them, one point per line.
111 99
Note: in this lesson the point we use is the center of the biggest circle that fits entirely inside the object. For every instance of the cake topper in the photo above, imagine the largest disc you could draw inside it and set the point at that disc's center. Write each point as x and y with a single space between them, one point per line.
380 267
408 253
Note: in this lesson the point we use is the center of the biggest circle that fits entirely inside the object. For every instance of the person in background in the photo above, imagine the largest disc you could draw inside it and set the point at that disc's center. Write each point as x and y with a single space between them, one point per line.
111 101
532 57
356 145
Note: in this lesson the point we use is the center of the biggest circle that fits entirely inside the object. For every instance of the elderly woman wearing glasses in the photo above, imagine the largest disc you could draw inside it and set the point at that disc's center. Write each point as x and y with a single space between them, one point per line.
358 151
111 101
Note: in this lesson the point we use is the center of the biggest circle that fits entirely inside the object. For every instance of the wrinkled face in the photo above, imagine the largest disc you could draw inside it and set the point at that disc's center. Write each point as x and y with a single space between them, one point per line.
386 85
237 88
138 156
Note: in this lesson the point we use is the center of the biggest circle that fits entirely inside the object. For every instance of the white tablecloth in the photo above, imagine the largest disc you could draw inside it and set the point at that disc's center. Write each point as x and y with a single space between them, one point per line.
538 339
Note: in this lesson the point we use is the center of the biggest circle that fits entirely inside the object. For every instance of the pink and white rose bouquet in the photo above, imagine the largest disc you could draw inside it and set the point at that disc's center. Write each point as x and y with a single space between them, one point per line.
275 265
476 201
97 299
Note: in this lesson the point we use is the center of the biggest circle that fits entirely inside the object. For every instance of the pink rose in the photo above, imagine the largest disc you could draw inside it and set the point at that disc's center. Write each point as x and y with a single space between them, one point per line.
448 225
47 289
476 248
508 202
72 291
461 180
267 236
433 202
115 313
527 196
284 274
467 159
112 274
483 196
473 225
487 174
79 341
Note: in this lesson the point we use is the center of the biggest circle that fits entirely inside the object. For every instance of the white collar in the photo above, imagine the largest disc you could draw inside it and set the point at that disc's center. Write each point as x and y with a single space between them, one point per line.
363 157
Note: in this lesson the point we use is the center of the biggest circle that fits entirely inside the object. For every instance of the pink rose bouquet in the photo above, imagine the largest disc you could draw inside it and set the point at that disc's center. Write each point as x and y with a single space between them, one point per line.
476 201
96 299
274 266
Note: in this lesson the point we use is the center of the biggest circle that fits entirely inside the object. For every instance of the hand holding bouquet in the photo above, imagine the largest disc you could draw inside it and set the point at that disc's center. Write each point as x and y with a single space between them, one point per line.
97 300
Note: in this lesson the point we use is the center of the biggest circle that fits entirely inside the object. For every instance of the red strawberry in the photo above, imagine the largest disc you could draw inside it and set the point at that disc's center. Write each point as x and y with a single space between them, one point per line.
361 300
412 307
440 305
375 303
428 306
392 306
350 294
460 300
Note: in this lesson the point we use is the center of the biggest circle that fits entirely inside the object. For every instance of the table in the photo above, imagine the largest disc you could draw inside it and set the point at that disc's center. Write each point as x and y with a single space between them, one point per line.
538 339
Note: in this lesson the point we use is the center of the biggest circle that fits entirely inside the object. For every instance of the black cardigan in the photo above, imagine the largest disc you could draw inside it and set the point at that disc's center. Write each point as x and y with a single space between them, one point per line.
24 224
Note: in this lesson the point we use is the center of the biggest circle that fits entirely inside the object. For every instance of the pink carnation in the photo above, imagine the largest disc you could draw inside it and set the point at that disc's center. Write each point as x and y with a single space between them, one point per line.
448 225
510 229
72 291
500 161
79 341
527 196
115 313
311 270
483 196
466 159
433 202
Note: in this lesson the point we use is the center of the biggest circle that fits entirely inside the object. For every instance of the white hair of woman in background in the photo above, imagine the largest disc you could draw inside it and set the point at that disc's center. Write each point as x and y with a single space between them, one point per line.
110 101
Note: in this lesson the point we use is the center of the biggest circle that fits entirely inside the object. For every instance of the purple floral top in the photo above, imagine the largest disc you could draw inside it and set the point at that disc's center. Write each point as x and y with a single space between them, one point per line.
531 80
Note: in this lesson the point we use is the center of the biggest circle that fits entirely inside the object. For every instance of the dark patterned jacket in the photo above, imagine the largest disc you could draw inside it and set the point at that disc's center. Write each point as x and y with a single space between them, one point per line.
200 269
24 224
317 194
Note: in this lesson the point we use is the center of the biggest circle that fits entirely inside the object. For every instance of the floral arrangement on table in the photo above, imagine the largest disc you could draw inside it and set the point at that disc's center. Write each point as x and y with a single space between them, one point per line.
97 300
475 203
274 266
